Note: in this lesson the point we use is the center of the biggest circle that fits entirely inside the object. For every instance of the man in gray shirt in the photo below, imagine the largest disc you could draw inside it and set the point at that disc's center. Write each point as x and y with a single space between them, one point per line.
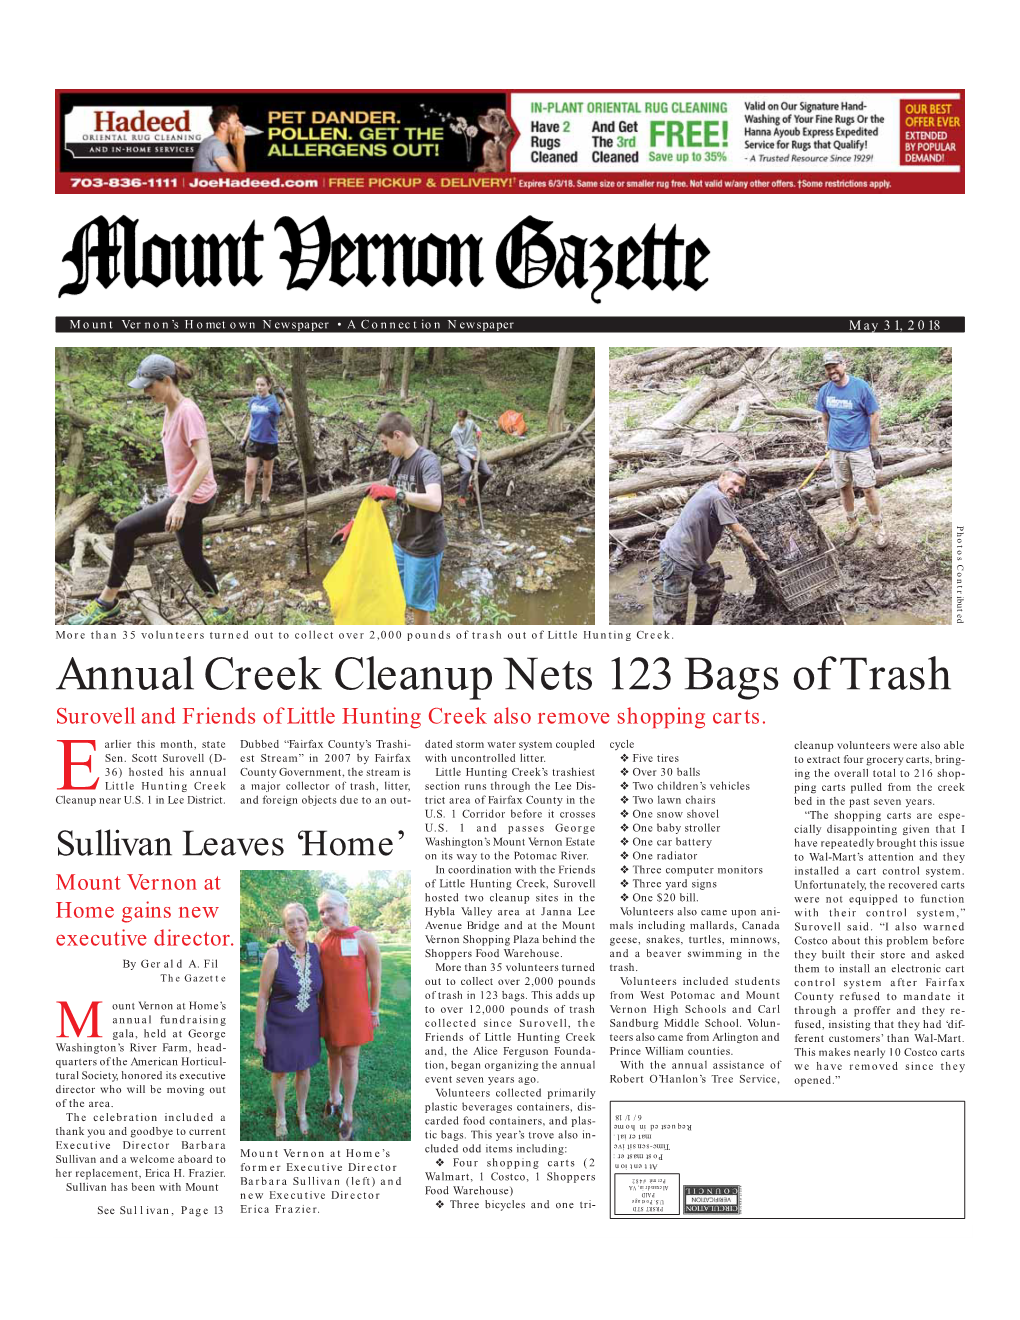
688 545
213 154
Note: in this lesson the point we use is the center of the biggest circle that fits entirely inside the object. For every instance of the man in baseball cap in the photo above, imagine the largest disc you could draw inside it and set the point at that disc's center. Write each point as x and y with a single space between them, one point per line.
850 421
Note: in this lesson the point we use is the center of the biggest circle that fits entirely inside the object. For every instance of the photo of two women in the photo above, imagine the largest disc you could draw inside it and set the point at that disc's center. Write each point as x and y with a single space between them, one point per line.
325 1006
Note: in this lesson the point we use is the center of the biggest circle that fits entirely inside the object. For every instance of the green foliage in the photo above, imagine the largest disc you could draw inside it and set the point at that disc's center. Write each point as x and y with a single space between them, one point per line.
264 894
485 381
382 1107
474 609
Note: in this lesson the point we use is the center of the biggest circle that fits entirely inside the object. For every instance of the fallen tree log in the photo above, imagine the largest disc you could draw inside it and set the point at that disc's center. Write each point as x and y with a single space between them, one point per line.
911 467
763 468
642 531
656 502
794 414
296 509
629 450
73 515
708 392
578 430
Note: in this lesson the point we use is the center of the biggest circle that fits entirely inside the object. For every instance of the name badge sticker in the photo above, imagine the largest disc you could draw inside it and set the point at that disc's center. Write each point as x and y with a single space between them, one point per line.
349 948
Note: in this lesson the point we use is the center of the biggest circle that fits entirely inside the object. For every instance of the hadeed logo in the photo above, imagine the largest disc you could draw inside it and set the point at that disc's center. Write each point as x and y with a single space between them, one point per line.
145 132
115 121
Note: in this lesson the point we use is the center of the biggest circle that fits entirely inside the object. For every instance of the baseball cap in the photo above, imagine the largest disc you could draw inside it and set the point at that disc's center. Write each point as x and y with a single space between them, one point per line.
831 359
154 367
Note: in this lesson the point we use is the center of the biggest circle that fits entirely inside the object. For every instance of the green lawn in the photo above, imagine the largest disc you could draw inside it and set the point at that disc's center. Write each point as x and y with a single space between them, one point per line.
383 1103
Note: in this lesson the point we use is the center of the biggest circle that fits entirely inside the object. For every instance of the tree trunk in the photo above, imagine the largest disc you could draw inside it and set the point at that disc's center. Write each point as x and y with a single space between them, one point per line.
347 363
428 423
557 418
691 404
405 373
775 469
555 458
703 440
641 505
72 516
437 358
385 370
67 485
642 531
277 513
912 467
303 439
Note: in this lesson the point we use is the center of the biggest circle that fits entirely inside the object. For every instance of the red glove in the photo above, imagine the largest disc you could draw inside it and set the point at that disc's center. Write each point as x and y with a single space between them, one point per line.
341 535
379 492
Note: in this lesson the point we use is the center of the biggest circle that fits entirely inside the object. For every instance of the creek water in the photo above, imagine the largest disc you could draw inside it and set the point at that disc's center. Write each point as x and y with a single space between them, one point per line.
631 585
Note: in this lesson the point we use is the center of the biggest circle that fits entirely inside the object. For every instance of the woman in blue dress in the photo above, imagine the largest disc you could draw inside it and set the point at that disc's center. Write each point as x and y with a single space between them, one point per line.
287 1015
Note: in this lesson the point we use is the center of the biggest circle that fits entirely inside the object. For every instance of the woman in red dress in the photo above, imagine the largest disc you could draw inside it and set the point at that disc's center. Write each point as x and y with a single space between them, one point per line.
349 1003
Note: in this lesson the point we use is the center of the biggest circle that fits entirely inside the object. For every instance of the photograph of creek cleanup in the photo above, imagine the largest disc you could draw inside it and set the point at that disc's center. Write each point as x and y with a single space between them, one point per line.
362 485
780 485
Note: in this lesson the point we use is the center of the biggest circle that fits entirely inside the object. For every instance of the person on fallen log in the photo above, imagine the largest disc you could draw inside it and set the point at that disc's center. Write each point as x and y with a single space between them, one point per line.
261 441
467 435
416 486
192 486
850 424
688 546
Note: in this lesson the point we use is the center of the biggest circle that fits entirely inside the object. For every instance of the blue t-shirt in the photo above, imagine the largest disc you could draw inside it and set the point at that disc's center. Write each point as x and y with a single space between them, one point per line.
264 413
849 409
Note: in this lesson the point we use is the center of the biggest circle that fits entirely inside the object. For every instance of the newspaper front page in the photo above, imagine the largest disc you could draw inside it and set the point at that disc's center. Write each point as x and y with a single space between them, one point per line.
431 890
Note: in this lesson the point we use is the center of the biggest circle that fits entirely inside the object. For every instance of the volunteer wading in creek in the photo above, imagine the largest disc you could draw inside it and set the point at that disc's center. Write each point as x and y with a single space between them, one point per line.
687 546
189 475
416 486
261 441
850 424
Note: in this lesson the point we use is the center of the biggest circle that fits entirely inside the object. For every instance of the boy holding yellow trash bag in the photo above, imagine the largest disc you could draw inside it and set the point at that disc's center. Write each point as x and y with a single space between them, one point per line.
416 486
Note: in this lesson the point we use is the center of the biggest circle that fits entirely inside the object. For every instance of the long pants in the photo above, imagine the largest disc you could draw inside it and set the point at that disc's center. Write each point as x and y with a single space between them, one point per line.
669 599
466 467
153 519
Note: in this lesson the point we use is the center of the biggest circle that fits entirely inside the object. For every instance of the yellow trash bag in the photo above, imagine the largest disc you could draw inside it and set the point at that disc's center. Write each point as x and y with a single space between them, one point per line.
363 585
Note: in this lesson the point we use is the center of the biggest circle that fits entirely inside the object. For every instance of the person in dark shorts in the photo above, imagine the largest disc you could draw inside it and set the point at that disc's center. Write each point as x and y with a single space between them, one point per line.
416 486
192 486
467 435
688 546
261 440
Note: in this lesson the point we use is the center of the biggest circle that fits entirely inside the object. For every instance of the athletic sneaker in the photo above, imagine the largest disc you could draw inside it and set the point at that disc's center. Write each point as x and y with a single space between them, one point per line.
881 538
243 508
94 613
853 531
217 617
264 508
